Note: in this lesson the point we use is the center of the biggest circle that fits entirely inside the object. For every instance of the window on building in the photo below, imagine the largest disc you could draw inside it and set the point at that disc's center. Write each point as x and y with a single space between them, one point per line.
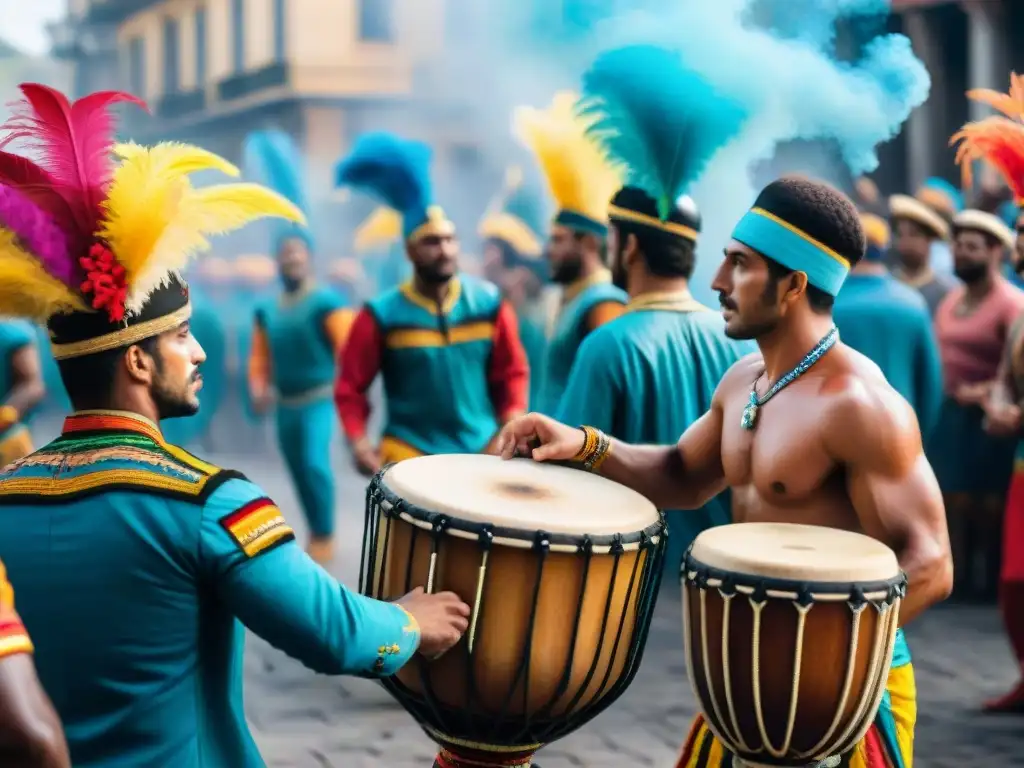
172 63
135 66
238 35
279 30
200 47
376 21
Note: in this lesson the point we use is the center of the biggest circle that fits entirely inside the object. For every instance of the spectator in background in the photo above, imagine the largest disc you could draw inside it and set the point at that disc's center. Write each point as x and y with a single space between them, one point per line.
917 227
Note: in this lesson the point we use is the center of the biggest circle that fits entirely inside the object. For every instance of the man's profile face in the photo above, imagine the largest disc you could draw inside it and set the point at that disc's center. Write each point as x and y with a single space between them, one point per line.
293 260
748 296
913 244
435 258
565 255
177 381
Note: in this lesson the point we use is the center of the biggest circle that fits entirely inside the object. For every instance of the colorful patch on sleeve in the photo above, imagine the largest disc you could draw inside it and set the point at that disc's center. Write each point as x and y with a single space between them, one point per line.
258 527
13 636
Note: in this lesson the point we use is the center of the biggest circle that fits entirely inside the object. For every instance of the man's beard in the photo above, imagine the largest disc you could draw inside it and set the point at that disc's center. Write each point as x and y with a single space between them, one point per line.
431 275
971 273
620 277
739 331
172 404
567 271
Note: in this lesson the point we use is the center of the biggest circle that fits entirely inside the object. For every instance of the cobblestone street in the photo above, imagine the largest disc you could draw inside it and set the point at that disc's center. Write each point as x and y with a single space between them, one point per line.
302 719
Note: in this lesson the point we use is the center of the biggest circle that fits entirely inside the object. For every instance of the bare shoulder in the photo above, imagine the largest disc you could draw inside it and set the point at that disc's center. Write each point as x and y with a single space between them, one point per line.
866 420
740 376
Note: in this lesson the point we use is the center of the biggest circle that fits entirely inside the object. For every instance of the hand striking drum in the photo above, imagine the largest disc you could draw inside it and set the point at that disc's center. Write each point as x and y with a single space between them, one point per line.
561 569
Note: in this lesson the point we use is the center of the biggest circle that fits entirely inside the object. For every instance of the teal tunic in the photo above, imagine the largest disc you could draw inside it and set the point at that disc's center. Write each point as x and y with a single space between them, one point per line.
137 566
303 365
209 330
14 335
435 364
890 323
646 377
570 331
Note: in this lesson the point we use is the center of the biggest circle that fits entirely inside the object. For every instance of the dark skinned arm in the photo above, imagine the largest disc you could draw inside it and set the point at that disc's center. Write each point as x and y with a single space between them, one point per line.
30 732
28 390
874 435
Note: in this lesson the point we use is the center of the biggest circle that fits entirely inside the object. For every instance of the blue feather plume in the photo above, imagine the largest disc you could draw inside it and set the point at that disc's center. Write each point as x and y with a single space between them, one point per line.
394 170
659 118
272 159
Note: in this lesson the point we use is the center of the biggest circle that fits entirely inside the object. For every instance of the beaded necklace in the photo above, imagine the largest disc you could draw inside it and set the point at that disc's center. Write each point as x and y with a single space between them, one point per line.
749 419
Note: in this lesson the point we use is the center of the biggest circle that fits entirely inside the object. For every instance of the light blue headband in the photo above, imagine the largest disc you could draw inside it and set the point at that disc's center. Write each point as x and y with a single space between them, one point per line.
792 248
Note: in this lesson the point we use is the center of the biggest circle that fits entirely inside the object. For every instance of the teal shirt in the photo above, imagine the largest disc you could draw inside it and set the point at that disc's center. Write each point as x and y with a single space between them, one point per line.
14 335
302 356
435 364
570 331
889 323
647 376
535 344
137 566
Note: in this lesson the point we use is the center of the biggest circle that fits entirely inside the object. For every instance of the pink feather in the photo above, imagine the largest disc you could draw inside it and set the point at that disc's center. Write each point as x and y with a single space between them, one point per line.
39 235
75 141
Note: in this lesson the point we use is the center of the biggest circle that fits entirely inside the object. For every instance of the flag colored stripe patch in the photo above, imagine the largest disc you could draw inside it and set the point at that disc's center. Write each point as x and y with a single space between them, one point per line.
13 637
257 526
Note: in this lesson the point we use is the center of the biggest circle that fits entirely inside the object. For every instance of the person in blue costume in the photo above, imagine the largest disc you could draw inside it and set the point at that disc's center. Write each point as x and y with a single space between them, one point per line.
889 323
647 376
209 330
296 340
582 179
807 431
446 344
513 259
916 229
137 563
947 201
22 388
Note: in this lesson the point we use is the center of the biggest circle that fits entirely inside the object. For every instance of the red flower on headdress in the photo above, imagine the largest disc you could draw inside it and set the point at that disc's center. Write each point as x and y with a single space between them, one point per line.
105 282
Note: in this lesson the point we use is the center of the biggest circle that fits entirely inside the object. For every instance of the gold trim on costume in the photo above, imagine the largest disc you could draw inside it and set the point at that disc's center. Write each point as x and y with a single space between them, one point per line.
49 486
405 338
437 225
123 337
801 234
574 289
671 227
408 289
674 301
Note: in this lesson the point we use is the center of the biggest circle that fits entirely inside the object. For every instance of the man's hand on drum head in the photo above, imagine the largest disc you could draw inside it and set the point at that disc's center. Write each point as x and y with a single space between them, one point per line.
443 618
540 438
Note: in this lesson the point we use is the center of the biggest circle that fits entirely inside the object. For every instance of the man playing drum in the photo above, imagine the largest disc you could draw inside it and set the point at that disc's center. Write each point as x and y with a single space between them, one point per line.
838 447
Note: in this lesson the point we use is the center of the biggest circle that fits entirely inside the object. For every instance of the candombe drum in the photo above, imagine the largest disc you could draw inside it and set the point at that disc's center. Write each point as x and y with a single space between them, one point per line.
561 569
789 635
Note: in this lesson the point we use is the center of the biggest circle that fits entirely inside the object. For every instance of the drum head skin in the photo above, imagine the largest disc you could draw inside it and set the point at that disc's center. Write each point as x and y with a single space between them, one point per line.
796 552
520 494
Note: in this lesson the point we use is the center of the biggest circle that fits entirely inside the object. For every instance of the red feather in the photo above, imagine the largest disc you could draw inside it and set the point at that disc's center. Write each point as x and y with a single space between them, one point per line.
75 141
37 185
998 141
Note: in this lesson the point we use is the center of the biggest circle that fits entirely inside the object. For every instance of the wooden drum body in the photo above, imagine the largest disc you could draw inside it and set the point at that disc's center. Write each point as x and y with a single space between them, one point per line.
789 635
561 569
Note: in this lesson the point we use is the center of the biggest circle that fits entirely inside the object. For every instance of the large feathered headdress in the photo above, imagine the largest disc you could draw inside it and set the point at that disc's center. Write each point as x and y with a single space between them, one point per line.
93 235
397 172
997 140
516 217
382 228
662 122
580 175
273 159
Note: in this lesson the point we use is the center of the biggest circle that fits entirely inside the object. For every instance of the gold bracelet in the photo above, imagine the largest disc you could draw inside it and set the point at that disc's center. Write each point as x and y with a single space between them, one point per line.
589 442
602 455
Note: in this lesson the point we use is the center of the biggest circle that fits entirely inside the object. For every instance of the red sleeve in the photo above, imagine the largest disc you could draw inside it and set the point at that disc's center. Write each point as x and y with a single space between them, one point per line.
509 374
359 366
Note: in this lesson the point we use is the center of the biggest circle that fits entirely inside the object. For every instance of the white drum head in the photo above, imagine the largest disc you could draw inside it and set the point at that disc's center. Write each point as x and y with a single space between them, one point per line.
796 552
520 494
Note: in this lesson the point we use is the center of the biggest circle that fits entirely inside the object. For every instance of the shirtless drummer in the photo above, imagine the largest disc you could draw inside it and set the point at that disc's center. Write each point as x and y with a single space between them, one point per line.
807 431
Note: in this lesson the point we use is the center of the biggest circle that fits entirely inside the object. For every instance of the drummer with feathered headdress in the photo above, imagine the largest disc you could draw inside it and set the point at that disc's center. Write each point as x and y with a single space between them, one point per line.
512 230
446 344
999 141
297 338
582 180
648 375
134 559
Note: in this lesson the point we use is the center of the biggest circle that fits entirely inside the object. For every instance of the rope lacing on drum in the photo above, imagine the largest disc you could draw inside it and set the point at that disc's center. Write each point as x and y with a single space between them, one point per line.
437 527
486 540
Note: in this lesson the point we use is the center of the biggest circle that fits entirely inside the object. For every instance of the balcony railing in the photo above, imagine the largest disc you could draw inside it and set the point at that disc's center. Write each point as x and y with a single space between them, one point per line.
239 86
181 103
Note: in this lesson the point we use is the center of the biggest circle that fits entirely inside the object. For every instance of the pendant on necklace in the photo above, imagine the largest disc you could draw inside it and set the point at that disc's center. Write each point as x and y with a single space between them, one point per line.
749 419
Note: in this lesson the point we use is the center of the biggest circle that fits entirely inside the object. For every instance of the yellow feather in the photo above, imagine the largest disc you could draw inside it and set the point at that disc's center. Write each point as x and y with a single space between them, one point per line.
382 227
202 212
579 173
26 289
155 221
